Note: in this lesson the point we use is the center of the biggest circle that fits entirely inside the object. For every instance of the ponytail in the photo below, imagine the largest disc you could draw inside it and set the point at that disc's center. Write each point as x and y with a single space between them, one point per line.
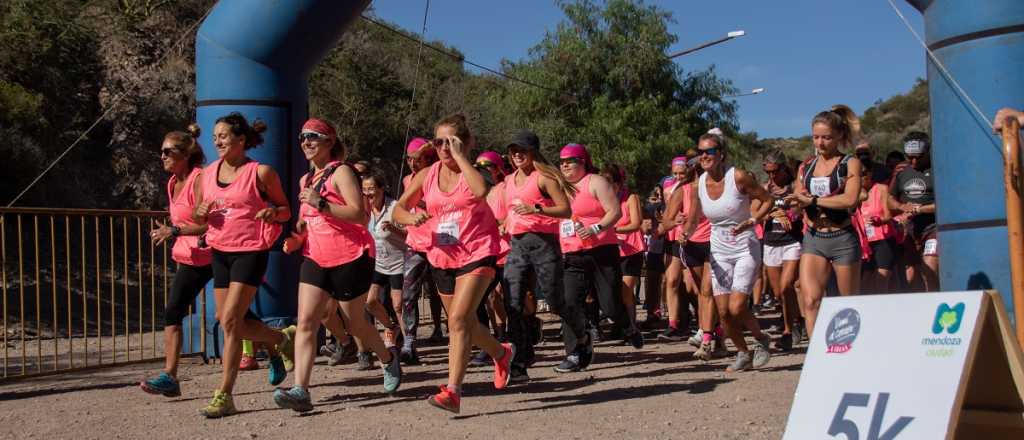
549 171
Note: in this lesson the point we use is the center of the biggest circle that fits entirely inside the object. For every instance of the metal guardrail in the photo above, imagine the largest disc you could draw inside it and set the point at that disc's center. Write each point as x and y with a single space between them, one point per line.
84 288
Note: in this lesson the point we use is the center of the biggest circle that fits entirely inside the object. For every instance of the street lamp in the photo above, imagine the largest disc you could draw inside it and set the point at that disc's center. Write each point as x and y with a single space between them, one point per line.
752 92
729 36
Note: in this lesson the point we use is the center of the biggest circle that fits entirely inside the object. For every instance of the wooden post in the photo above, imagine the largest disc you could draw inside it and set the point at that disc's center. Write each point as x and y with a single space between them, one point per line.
1014 219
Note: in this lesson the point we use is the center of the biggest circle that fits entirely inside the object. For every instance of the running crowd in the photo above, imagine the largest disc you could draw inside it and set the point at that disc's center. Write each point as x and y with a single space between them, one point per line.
493 244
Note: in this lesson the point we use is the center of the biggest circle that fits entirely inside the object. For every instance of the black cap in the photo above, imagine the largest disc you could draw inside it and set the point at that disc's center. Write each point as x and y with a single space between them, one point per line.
525 139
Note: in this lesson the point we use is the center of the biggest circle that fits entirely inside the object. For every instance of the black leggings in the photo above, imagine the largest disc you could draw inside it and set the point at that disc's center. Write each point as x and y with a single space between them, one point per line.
188 281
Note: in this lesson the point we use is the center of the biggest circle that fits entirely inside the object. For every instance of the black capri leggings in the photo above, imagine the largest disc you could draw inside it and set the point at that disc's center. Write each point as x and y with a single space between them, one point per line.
188 281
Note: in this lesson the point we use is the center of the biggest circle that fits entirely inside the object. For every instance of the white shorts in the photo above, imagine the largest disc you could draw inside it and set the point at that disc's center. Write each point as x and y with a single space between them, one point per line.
775 255
734 273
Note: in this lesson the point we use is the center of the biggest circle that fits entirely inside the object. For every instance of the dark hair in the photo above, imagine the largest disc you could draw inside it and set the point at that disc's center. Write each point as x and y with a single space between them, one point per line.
457 121
240 127
898 155
616 175
842 120
185 141
778 157
378 179
918 136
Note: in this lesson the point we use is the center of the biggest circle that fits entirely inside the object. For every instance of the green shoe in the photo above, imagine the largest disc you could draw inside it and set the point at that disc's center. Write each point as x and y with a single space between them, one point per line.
287 348
221 405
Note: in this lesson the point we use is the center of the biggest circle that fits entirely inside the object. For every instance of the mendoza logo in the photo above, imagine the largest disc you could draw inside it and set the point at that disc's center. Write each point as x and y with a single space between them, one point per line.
842 331
947 320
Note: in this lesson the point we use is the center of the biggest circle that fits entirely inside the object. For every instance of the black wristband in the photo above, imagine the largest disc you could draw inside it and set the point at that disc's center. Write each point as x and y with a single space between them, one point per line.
814 202
175 231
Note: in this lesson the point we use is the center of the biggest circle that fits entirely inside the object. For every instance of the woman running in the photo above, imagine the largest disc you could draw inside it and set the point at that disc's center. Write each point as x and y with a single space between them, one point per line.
591 252
463 251
828 189
913 194
338 260
681 175
183 158
783 232
724 196
243 206
877 220
492 308
384 300
536 198
631 248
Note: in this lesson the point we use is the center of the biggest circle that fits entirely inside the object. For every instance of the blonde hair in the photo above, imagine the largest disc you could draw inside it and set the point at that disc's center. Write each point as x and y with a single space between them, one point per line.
842 120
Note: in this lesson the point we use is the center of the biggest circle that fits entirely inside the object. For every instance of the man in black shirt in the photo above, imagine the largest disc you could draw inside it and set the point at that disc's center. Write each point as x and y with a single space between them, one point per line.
913 193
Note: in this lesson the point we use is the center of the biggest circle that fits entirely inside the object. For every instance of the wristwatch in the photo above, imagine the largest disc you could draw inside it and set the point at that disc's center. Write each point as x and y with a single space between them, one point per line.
538 208
322 204
175 231
597 227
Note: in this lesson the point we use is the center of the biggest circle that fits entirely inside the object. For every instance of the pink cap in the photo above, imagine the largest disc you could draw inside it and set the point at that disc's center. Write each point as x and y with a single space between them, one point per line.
415 145
574 150
492 157
679 161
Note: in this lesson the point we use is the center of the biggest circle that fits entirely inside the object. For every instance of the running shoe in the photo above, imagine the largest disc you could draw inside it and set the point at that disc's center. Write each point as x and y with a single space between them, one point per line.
480 359
761 353
586 356
799 333
537 327
571 364
672 335
743 362
696 339
364 360
445 400
287 347
221 405
328 349
703 352
163 384
392 372
637 339
345 354
295 399
785 342
502 367
720 349
277 371
248 363
519 375
437 336
409 356
595 334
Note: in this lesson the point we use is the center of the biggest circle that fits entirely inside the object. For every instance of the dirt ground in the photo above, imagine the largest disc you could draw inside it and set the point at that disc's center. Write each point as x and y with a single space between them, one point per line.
658 392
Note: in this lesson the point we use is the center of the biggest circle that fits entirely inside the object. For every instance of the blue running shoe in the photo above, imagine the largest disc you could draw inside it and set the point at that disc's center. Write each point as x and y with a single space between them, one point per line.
163 384
276 373
295 399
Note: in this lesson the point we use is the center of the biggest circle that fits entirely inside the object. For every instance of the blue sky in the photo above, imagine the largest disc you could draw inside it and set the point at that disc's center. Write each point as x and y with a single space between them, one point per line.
808 54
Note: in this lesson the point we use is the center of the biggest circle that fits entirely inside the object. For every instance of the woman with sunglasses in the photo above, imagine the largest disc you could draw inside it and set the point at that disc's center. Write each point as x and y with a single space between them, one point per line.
181 156
535 199
828 190
463 251
420 155
591 252
724 195
338 260
783 232
913 194
631 249
243 206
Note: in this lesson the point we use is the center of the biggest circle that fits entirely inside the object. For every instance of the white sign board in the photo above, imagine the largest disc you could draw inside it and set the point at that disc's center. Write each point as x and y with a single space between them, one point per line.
885 366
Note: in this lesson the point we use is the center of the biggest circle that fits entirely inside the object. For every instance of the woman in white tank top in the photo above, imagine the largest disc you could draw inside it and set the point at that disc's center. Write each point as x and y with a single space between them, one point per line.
724 196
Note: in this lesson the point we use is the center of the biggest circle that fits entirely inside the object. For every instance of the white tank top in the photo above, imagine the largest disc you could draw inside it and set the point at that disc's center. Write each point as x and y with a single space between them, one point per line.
724 213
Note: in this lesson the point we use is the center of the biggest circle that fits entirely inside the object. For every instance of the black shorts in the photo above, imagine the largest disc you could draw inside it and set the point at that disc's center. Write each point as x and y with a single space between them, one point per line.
239 267
695 254
388 282
884 254
444 279
632 265
343 283
654 263
188 282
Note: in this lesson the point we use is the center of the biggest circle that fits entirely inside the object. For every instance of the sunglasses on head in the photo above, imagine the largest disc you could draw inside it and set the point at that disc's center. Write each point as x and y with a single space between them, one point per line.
312 136
709 151
568 160
167 151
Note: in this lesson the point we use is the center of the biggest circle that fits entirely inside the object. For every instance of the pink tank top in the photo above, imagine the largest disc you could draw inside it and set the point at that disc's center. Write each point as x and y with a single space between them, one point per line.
528 194
872 207
417 237
186 248
463 229
630 243
587 210
232 220
331 241
702 234
496 201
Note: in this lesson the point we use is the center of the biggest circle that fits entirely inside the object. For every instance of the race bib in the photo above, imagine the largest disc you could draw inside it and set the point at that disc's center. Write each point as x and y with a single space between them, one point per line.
869 230
447 233
931 247
725 236
382 249
819 186
567 228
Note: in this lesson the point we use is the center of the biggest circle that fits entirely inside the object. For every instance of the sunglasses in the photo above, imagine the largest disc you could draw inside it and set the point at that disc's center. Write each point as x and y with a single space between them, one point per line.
569 160
438 143
485 164
709 151
312 136
167 151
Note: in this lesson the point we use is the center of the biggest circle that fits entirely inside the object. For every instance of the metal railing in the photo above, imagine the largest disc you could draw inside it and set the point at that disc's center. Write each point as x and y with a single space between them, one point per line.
84 288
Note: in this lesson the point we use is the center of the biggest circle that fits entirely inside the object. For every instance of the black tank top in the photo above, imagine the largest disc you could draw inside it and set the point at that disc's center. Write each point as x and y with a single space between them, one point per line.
826 186
774 233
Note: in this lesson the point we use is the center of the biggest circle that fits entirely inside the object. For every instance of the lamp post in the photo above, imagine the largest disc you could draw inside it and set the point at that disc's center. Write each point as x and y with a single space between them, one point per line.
752 92
729 36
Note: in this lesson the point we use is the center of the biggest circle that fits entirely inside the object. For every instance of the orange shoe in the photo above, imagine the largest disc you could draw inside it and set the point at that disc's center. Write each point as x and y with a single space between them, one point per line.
445 400
248 363
503 367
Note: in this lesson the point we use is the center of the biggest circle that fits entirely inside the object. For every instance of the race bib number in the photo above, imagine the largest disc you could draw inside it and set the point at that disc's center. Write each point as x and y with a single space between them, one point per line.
869 230
382 249
447 234
819 186
567 228
931 247
725 236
